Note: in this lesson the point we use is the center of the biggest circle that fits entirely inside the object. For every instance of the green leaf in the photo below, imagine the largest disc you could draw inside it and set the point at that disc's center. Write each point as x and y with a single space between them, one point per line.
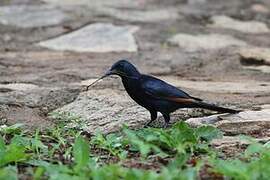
39 173
208 133
2 144
182 133
8 173
12 153
255 148
81 152
14 129
235 169
21 141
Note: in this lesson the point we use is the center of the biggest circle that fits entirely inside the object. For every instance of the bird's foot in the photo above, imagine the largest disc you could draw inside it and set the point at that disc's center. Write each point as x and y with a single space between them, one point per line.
166 125
148 124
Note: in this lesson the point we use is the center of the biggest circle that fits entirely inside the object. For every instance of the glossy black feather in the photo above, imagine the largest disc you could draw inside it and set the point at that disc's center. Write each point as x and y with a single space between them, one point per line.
156 95
160 89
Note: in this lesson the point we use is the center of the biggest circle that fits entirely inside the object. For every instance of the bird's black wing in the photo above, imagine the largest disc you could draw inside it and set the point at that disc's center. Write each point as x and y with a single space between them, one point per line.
161 90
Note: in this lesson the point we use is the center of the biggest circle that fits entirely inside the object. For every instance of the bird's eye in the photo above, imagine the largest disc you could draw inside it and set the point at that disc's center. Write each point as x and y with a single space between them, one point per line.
121 66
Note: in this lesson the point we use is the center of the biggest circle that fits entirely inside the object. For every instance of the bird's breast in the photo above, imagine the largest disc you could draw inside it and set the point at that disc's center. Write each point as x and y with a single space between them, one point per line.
135 92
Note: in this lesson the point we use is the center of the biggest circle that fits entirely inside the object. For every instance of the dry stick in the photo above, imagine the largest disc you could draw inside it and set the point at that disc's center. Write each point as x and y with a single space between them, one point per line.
95 82
119 73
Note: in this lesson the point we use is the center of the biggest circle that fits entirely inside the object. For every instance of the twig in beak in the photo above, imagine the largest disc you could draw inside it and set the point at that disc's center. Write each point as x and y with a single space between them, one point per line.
95 81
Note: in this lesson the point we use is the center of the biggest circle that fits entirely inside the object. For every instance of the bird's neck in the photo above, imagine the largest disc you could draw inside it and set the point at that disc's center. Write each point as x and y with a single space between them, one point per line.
130 83
131 79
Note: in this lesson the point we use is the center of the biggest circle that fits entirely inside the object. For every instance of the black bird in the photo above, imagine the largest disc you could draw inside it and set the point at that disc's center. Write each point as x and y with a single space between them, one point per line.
156 95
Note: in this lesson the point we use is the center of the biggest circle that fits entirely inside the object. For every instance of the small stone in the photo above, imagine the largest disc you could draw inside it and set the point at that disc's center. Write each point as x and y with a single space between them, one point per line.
234 140
263 69
95 3
196 122
192 2
142 16
18 86
31 16
200 42
245 122
255 55
6 37
98 37
253 27
259 8
221 87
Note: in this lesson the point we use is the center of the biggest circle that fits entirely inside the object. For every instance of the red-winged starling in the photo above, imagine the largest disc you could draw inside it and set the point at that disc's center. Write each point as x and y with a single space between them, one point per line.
156 95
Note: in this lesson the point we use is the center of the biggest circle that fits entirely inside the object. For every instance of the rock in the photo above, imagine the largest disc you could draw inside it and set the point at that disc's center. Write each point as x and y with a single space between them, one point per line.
95 4
255 55
31 118
4 100
265 106
256 58
30 16
235 140
252 27
45 98
260 8
106 110
30 106
192 2
17 87
221 87
141 16
196 122
98 37
245 122
263 69
200 42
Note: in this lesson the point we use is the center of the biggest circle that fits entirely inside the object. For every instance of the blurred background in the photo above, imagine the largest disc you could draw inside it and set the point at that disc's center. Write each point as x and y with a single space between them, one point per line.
50 49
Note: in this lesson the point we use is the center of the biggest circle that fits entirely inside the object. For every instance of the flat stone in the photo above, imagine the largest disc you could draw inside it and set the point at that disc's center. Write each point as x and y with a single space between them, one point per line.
195 2
94 3
31 16
141 16
245 122
45 98
106 110
221 87
263 69
200 121
200 42
255 55
31 118
253 27
235 140
98 37
18 87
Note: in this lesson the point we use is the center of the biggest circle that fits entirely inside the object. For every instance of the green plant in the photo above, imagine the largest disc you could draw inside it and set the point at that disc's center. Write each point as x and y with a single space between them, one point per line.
115 144
63 153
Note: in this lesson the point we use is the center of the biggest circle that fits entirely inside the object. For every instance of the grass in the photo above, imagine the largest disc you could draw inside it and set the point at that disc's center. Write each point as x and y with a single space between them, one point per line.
180 152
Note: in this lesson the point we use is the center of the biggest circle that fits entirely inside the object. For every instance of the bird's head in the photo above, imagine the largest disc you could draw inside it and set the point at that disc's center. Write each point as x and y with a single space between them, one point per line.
124 69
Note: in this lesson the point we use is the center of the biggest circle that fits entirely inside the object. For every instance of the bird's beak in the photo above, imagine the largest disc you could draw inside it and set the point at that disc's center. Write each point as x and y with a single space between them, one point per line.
108 73
112 72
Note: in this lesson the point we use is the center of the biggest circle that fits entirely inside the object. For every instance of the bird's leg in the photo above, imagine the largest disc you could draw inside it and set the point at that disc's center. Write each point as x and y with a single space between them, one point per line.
153 117
167 119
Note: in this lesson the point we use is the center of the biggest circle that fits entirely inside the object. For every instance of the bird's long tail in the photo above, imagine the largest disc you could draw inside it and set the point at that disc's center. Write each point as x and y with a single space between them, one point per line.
213 107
